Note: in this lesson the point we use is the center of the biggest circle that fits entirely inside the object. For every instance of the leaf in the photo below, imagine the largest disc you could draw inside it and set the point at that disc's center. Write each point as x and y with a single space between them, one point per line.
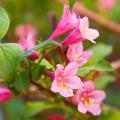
101 66
71 3
104 80
10 55
43 44
4 23
32 109
22 81
45 63
100 51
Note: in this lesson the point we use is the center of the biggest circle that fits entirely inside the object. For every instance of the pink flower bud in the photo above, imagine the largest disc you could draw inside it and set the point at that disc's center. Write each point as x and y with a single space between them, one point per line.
34 55
56 117
5 94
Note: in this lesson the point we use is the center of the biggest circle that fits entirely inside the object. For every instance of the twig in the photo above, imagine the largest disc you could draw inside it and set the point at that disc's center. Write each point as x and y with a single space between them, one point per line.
79 8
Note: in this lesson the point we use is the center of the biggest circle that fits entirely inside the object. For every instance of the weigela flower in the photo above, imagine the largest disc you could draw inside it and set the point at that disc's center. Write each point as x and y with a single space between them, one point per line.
81 33
75 53
24 30
89 99
5 94
27 43
68 22
66 80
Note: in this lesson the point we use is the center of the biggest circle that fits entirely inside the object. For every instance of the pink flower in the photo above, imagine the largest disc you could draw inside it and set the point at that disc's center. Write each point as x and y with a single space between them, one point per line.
107 4
81 33
68 22
75 53
27 43
24 30
5 94
34 55
89 99
66 80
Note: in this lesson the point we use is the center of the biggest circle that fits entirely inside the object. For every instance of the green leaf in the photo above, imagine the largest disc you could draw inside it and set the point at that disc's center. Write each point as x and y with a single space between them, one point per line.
101 66
43 44
32 109
104 80
45 63
22 81
100 51
71 3
10 55
4 23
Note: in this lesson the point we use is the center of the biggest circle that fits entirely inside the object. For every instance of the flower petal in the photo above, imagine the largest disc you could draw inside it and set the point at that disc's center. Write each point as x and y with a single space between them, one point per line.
91 34
55 88
71 69
75 82
100 95
82 108
84 24
89 86
94 109
66 92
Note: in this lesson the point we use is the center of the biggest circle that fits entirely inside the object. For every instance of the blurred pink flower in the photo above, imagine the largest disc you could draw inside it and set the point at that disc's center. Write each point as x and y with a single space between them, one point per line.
56 117
34 55
24 30
68 22
27 43
107 4
66 80
5 94
81 33
75 53
89 99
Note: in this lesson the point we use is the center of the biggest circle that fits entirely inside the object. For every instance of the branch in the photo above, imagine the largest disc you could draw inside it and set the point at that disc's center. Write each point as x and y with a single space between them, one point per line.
79 8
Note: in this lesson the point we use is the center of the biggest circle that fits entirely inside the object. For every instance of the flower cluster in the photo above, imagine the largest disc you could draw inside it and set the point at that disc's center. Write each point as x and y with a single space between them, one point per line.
26 34
66 82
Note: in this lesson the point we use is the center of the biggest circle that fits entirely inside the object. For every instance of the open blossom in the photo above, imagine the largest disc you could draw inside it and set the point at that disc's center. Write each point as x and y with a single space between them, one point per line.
75 53
27 43
24 30
89 99
81 33
66 80
5 94
68 22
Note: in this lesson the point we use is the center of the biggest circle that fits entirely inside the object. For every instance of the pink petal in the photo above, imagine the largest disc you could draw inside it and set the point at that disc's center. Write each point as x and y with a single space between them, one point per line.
73 38
100 95
75 82
91 34
71 69
66 92
84 24
55 87
94 109
82 108
89 86
68 19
